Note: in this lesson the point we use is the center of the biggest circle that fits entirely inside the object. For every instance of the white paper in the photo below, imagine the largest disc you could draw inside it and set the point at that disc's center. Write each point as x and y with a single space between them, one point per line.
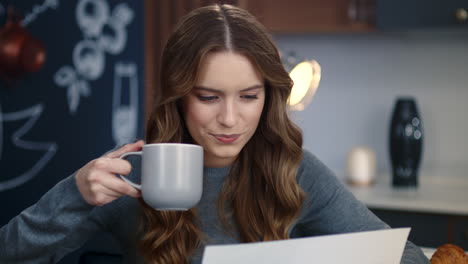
371 247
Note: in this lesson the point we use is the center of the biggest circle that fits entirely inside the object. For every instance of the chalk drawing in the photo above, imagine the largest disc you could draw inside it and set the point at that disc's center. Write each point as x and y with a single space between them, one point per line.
122 15
91 23
89 58
125 112
39 9
32 114
77 87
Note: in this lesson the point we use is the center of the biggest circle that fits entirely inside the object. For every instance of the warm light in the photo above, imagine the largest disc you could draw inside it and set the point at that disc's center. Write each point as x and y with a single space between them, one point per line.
306 76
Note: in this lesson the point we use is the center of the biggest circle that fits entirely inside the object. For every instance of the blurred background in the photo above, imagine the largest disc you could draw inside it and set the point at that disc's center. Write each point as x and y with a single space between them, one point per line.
81 77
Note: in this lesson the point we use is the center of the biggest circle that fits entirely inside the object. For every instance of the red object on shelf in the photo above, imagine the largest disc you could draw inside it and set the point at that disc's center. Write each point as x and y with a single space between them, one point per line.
20 52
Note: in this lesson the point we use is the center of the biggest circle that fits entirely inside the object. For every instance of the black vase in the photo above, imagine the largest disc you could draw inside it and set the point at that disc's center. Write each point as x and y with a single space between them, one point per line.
406 142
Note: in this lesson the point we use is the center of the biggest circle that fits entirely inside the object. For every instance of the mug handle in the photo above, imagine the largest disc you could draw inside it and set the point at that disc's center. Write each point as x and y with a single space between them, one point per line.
137 186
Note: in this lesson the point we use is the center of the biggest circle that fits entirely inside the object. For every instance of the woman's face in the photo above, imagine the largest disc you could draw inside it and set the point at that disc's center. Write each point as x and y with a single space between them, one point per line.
222 111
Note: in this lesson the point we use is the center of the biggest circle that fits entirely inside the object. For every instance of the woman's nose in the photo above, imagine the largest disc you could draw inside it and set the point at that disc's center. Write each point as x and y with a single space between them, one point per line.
228 115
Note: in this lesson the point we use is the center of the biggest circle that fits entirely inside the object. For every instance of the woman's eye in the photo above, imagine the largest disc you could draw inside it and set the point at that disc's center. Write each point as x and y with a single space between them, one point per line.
207 98
249 97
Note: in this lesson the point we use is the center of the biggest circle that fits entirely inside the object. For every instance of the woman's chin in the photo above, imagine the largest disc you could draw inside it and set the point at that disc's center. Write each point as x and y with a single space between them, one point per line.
223 156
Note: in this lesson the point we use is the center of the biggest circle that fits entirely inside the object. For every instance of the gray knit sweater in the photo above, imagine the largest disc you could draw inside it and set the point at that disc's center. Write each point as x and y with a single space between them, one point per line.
61 221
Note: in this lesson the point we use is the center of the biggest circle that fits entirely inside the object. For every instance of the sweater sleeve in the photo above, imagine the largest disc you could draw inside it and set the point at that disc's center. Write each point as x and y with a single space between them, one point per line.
60 222
330 208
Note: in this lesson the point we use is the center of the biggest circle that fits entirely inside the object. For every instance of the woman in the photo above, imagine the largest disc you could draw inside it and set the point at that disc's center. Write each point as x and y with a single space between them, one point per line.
223 87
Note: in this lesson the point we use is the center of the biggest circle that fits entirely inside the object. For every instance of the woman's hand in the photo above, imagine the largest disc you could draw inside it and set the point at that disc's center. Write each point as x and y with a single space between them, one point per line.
97 181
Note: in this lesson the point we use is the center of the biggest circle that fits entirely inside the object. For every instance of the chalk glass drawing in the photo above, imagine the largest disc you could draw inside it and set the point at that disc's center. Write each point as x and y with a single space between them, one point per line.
125 103
39 9
89 57
32 114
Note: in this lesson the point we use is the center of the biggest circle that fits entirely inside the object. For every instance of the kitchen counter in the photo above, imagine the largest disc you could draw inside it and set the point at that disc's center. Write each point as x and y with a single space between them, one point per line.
435 194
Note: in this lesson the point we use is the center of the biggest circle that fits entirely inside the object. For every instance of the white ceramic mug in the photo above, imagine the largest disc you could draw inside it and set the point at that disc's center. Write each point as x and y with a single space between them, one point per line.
171 175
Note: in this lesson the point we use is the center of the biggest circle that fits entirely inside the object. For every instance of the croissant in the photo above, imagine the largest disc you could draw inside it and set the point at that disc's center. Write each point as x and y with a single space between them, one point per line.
449 254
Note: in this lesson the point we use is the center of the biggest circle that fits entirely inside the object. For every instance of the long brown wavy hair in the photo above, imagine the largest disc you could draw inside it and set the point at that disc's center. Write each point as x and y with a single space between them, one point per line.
260 194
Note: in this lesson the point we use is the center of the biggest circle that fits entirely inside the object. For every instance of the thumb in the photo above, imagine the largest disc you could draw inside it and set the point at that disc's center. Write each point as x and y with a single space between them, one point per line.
137 146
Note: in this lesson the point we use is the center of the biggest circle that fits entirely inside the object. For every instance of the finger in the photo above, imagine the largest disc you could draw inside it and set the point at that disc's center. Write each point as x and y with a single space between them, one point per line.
119 186
110 192
115 166
137 146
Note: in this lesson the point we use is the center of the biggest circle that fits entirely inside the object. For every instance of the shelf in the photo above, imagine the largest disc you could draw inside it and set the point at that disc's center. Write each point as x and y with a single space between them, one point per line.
439 195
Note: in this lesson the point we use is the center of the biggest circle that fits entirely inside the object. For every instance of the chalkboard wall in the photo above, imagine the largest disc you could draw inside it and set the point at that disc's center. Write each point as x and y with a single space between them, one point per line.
86 99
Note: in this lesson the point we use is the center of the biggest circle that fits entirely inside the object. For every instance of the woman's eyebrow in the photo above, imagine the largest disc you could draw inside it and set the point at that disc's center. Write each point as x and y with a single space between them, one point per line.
253 87
203 88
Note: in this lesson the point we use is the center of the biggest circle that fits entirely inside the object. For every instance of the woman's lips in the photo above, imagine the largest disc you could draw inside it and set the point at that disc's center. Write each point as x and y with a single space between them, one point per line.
226 139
